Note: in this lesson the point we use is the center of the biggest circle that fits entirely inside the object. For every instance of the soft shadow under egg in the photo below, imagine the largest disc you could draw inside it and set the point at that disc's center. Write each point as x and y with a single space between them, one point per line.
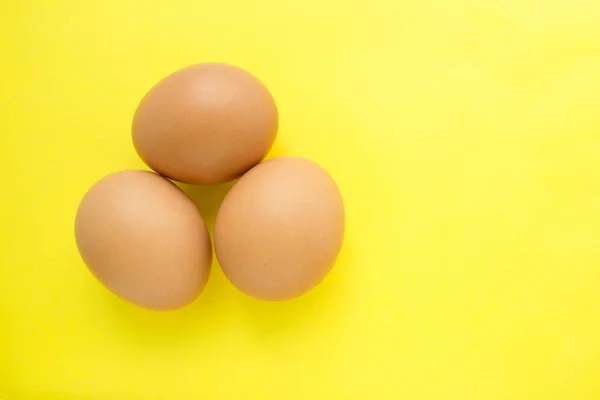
207 199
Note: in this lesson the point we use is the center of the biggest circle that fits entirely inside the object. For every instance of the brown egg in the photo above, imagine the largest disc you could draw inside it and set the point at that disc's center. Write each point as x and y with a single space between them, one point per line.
205 124
144 239
280 229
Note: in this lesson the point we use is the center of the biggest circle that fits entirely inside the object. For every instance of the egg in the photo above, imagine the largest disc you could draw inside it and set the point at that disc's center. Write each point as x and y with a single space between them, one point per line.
280 228
205 124
144 239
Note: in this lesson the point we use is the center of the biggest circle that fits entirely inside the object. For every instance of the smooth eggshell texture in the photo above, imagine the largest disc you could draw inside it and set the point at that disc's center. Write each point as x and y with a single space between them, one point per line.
280 229
205 124
144 239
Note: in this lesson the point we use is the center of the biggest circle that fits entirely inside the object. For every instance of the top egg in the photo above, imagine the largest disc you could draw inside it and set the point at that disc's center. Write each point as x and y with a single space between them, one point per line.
205 124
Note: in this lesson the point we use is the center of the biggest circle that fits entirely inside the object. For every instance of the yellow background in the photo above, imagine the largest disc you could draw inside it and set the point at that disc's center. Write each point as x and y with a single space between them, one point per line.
464 135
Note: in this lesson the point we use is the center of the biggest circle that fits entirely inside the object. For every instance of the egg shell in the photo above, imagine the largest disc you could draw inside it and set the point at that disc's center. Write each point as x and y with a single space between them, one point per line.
205 124
280 229
144 239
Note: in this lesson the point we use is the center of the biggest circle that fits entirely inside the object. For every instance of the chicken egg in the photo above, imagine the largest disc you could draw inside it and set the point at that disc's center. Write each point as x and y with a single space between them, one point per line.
205 124
144 239
280 228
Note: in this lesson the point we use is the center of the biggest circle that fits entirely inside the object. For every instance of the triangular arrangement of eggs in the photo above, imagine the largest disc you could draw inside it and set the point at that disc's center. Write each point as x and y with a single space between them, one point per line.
277 233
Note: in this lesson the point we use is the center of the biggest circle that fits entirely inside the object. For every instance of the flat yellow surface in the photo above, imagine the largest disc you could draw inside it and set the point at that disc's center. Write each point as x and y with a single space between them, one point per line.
465 137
